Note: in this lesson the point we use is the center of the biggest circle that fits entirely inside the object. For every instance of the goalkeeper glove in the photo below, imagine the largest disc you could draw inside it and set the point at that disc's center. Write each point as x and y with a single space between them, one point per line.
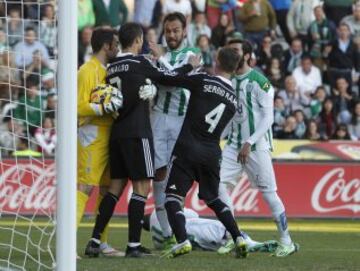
114 103
147 91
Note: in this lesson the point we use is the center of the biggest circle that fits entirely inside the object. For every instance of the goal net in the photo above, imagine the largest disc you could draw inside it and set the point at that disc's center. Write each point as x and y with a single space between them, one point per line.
28 98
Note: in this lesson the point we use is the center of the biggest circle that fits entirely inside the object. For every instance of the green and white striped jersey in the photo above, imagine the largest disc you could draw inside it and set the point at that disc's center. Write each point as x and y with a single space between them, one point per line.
169 101
254 117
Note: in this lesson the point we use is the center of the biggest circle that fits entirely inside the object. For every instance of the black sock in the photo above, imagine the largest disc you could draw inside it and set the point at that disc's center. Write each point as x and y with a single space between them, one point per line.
224 214
105 212
176 217
136 211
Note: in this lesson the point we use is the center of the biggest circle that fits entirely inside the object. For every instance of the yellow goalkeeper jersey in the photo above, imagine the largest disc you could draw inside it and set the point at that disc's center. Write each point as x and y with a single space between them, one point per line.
90 75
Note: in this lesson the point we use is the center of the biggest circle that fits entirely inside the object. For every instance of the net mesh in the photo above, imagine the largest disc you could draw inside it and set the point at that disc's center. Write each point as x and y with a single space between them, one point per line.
28 97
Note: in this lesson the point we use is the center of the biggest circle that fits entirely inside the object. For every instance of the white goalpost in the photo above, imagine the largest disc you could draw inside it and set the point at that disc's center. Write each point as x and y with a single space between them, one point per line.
67 137
38 111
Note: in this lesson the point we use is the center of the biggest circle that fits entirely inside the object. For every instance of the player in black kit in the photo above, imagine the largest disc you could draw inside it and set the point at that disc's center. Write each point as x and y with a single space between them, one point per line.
197 153
131 144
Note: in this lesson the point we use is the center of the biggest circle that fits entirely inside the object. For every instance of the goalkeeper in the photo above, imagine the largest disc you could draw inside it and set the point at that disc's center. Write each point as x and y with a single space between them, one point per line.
95 120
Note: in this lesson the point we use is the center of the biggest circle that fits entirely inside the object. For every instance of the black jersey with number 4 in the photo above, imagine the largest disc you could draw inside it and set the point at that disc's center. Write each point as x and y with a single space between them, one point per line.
128 73
211 106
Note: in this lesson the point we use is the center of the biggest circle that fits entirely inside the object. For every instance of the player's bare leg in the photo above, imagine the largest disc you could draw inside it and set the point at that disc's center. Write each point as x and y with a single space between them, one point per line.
159 185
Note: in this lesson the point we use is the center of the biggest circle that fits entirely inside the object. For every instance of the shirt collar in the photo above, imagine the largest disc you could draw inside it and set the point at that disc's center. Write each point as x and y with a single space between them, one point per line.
96 60
242 76
125 54
225 80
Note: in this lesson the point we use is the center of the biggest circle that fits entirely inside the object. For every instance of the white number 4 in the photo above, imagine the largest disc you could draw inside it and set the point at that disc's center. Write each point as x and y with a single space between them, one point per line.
214 116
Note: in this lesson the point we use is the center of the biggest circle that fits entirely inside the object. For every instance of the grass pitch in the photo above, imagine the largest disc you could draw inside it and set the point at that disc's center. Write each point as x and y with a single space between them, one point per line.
324 245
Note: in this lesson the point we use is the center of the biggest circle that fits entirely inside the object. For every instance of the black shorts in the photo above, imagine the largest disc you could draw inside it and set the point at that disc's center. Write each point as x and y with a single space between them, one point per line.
132 158
183 173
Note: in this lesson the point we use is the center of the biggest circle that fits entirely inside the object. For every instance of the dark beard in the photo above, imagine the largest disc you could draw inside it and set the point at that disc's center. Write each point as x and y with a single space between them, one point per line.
241 62
178 44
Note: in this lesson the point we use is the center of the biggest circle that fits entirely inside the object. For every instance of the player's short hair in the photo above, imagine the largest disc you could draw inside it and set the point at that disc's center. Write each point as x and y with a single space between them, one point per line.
128 33
175 16
100 37
246 47
228 59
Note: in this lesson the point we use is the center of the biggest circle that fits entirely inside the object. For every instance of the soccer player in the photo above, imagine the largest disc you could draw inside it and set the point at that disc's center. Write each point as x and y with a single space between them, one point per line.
94 126
169 110
131 145
204 233
197 153
250 143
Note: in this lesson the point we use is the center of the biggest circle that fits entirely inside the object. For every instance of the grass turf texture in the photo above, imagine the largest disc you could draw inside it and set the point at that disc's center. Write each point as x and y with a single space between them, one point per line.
324 245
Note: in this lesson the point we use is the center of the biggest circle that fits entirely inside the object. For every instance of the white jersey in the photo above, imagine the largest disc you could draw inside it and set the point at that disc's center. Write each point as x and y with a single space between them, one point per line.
209 234
254 117
168 100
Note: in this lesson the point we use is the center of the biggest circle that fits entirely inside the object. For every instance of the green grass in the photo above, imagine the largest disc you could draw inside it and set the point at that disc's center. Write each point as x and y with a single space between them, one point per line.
324 245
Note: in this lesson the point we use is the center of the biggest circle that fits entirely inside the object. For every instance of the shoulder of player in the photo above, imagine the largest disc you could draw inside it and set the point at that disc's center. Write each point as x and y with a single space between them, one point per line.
211 79
198 72
263 83
126 59
190 50
88 69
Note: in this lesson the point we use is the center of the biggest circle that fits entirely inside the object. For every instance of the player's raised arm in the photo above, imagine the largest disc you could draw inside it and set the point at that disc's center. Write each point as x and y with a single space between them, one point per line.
176 77
265 100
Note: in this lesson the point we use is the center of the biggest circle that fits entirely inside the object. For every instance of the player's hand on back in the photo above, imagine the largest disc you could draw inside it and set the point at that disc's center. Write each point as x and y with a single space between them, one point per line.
195 61
115 102
147 91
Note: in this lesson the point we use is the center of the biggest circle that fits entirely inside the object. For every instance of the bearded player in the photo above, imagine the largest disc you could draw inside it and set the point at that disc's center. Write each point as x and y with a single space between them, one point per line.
95 122
249 145
169 110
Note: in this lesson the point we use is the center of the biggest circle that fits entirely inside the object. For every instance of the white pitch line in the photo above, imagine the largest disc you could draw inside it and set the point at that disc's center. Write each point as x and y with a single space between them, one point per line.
293 226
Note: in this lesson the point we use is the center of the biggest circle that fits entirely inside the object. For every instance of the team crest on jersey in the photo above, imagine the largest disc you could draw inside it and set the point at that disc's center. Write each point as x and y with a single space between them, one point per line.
266 86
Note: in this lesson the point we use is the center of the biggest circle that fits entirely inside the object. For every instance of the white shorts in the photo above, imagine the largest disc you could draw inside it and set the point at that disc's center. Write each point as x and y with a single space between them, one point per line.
165 130
258 168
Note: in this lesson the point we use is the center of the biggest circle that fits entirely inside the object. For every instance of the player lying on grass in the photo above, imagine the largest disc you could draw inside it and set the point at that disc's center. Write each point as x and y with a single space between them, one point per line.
203 233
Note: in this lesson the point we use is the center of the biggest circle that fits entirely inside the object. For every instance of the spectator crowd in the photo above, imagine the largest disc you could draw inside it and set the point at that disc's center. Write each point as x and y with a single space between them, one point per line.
309 50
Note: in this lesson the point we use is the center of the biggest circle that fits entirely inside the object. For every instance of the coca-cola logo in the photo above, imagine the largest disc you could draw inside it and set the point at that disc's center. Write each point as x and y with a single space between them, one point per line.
334 193
243 197
29 187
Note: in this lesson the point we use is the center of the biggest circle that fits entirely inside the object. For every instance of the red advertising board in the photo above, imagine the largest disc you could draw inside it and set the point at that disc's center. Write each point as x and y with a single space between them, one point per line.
307 189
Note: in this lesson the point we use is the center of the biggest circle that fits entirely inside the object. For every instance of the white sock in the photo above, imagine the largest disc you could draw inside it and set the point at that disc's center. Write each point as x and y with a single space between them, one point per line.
159 196
225 196
134 244
278 211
